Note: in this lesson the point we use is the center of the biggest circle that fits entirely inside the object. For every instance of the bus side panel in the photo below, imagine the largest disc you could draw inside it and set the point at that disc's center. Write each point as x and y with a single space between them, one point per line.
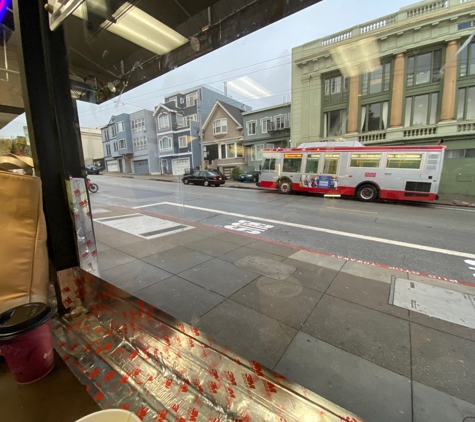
340 190
265 184
407 196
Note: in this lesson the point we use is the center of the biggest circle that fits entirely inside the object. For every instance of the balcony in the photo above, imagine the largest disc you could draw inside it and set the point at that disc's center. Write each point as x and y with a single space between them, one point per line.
273 127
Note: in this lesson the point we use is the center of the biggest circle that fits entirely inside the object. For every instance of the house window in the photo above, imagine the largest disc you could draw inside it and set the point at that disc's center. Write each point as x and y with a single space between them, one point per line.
192 118
333 85
424 68
374 117
140 143
378 80
467 60
466 103
256 152
220 126
173 100
163 121
182 142
334 123
251 127
421 110
138 125
120 127
180 120
264 124
165 144
122 144
114 130
191 99
460 153
280 121
233 150
106 134
108 150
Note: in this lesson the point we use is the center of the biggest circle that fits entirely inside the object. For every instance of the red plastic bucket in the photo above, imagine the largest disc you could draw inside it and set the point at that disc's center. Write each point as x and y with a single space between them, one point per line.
26 341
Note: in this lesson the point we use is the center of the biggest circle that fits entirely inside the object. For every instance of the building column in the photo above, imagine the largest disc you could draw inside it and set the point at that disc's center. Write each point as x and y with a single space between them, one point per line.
353 101
397 95
450 83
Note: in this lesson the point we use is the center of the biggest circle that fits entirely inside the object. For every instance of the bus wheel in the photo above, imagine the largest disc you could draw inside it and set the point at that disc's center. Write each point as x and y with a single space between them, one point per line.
285 186
367 193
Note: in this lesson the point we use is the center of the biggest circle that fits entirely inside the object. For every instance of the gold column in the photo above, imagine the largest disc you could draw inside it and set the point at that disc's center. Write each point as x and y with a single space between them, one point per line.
353 102
397 95
450 83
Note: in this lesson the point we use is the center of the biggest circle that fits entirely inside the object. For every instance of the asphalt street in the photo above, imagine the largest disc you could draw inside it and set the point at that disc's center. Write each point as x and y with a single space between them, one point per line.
427 238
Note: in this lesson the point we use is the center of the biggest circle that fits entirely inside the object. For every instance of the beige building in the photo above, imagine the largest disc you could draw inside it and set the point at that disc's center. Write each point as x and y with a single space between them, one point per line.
91 144
223 138
394 81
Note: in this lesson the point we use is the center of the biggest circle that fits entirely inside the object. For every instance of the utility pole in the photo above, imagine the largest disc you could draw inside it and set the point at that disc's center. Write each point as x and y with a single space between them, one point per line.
200 119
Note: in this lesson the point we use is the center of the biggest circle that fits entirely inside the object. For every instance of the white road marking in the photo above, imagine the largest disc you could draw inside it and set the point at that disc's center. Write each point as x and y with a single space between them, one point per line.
350 210
115 217
435 206
323 230
248 227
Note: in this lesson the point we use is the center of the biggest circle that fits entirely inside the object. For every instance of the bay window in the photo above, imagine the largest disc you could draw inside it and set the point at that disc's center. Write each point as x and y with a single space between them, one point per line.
163 121
232 150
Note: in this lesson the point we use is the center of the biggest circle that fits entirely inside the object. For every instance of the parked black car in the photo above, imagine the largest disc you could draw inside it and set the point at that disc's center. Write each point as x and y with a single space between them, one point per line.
92 169
218 172
206 177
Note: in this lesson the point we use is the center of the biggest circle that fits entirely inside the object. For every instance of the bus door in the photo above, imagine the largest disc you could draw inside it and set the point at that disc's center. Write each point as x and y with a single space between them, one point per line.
328 178
292 167
313 167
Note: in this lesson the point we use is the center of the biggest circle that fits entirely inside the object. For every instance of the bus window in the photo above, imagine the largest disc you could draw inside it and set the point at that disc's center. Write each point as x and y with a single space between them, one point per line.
365 160
312 163
292 165
269 164
404 161
331 163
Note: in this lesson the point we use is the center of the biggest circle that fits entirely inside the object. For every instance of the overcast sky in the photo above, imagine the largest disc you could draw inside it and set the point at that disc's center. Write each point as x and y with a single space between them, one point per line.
263 56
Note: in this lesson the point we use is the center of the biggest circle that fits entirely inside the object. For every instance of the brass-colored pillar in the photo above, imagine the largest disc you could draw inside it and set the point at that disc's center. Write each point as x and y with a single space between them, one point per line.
397 95
353 102
450 83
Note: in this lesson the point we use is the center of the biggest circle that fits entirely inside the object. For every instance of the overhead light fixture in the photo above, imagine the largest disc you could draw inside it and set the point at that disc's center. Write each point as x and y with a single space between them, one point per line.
248 87
138 27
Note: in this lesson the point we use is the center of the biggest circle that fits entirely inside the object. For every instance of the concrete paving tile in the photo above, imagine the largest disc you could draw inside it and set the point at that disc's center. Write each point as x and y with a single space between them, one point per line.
177 259
212 246
369 271
310 275
118 240
184 238
235 238
219 276
286 302
244 251
441 325
207 231
134 276
434 406
272 248
101 247
247 332
369 391
101 230
112 258
147 247
443 361
266 267
318 259
372 335
365 292
180 298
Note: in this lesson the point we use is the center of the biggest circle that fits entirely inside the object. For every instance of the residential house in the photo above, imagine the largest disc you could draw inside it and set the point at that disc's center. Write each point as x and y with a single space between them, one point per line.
223 138
265 128
179 120
130 143
402 79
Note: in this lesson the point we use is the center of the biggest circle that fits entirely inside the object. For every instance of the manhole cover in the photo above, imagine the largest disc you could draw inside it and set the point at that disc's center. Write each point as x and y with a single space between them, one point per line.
267 267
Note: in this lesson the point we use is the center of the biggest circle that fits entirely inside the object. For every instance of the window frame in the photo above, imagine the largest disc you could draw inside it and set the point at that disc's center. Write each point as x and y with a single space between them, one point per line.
120 126
249 124
160 144
265 120
108 150
237 146
465 101
368 104
385 74
114 130
429 109
325 120
191 99
386 167
215 126
351 155
163 116
469 57
180 145
432 77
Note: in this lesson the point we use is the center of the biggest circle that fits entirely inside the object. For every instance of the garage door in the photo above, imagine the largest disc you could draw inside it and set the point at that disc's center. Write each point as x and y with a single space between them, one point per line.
179 166
141 167
113 165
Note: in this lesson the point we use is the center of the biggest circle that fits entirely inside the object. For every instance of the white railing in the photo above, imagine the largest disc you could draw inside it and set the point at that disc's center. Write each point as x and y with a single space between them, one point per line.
422 131
465 127
337 38
380 23
372 137
423 9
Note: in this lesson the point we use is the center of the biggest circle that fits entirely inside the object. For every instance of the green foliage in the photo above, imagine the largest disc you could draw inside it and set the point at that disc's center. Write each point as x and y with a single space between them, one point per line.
235 173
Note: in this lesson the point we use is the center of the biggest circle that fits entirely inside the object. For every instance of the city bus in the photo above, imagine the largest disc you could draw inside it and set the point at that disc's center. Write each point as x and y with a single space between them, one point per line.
409 173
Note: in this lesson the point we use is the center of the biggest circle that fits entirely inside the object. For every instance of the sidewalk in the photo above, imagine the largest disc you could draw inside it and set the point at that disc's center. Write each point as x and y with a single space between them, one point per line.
322 322
445 199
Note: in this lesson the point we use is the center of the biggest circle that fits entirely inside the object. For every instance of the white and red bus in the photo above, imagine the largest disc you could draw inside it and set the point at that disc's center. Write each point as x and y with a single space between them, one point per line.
409 173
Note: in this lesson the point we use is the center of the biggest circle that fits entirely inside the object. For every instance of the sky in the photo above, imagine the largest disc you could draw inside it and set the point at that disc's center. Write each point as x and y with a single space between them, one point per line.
263 56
